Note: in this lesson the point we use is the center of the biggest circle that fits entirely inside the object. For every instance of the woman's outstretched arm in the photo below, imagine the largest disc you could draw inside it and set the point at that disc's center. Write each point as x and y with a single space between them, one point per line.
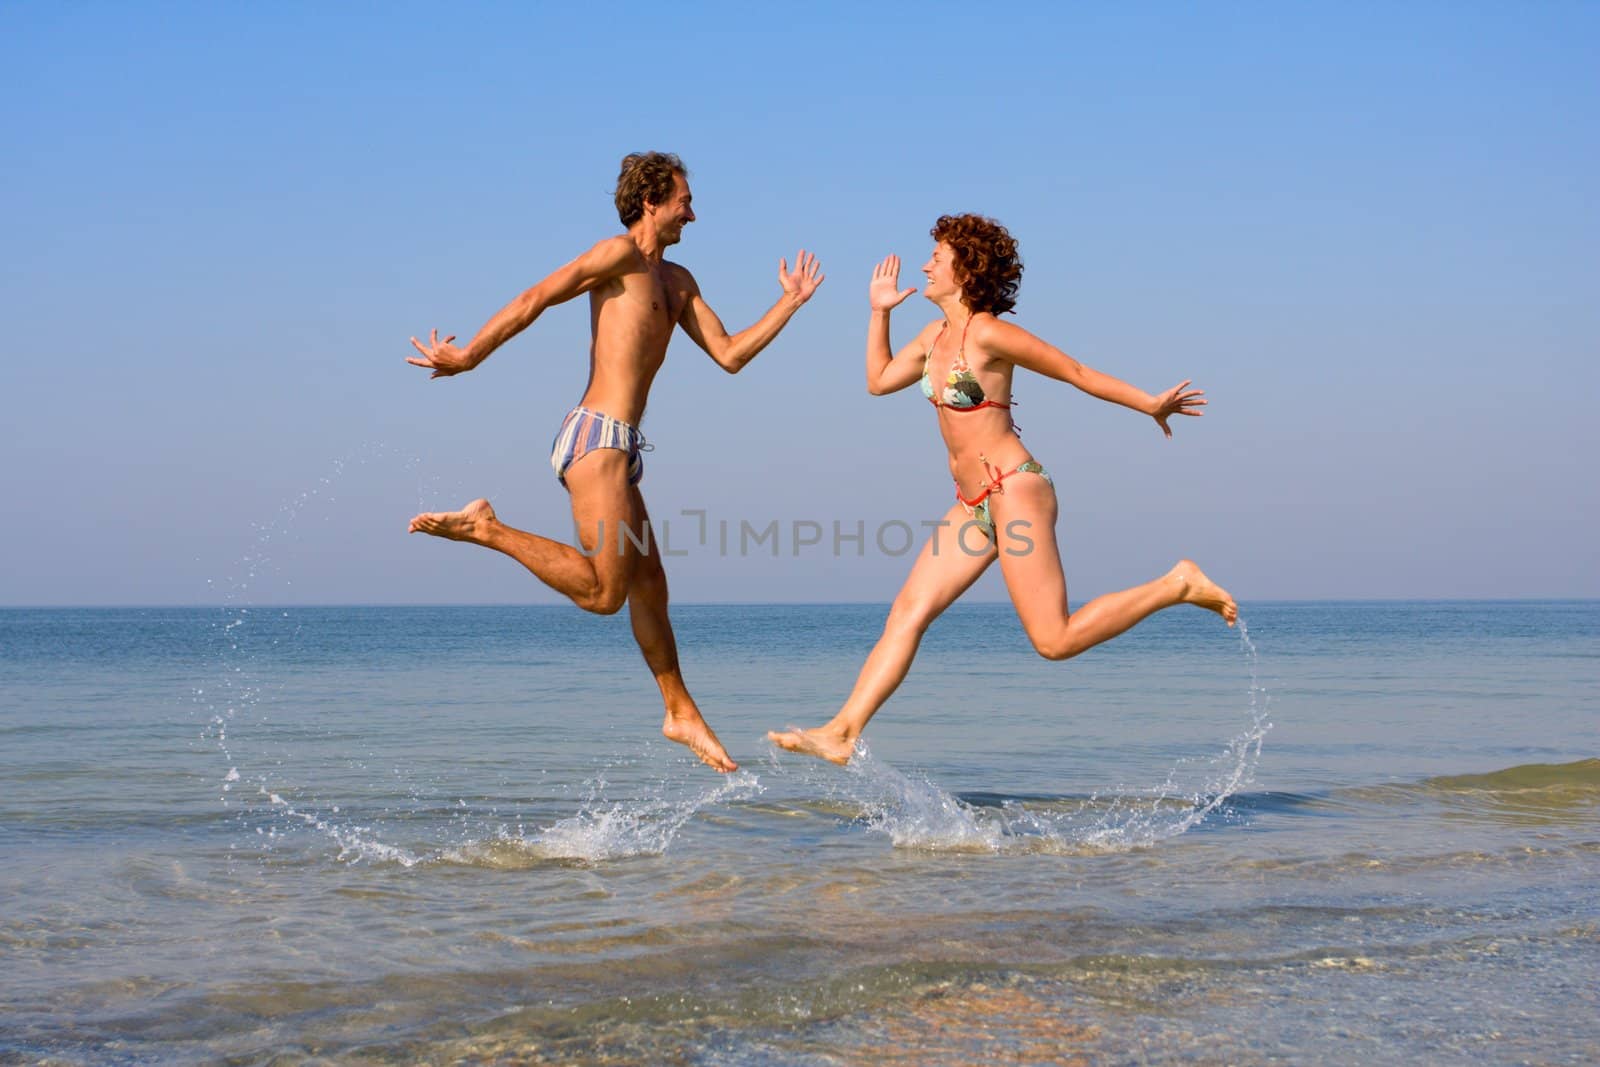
1023 349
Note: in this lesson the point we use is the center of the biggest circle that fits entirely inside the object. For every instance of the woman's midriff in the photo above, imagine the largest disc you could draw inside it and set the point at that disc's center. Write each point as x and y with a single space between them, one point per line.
970 445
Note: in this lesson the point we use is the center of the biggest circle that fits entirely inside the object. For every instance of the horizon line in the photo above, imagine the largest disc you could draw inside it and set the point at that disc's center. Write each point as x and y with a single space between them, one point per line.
134 606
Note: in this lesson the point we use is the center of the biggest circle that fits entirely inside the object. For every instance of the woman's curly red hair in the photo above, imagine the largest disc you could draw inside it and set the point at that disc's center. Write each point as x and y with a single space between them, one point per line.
986 262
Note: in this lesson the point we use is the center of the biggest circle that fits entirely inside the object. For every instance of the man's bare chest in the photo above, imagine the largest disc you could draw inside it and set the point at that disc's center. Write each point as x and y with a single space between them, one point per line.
668 296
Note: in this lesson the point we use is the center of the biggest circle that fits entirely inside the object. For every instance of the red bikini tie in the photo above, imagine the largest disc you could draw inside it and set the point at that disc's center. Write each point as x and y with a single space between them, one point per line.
994 485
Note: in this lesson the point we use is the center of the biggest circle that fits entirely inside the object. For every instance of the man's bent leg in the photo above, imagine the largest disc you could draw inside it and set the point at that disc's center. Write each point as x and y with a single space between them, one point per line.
647 608
595 579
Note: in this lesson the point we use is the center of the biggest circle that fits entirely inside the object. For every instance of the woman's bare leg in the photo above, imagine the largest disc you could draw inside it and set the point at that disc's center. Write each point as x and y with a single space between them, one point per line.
1025 517
943 571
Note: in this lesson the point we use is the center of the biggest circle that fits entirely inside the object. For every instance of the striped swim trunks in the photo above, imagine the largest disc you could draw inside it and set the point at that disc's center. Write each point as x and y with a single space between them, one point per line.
583 431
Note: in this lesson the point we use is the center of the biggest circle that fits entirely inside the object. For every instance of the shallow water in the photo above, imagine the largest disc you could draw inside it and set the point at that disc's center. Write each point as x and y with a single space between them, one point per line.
455 835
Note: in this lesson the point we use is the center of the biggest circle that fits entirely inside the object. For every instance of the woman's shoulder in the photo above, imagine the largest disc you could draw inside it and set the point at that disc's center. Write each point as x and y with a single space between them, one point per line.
994 336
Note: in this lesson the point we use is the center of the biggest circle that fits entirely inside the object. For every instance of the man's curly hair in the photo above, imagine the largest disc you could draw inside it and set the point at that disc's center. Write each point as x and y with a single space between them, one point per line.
646 178
986 264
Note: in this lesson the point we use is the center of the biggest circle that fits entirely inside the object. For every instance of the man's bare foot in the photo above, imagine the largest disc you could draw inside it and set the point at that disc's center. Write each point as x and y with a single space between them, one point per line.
1203 592
471 523
820 742
691 730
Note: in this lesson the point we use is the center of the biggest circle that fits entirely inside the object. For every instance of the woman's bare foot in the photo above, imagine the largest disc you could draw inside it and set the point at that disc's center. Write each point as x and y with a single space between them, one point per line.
820 742
471 523
690 729
1203 592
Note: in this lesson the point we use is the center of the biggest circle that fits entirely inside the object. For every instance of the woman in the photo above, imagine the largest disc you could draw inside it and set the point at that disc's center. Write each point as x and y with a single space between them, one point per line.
1005 501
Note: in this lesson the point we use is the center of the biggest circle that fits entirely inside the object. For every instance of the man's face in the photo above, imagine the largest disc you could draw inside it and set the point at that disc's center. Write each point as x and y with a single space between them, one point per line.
675 212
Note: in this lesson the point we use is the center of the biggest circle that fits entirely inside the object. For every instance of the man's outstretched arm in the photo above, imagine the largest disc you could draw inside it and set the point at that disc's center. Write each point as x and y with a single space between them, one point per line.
604 261
732 353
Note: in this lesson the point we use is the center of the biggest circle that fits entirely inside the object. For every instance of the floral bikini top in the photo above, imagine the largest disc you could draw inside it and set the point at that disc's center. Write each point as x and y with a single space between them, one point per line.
961 390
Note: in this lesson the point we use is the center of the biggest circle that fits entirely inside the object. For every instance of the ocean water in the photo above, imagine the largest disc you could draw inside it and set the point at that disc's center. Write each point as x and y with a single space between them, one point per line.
454 835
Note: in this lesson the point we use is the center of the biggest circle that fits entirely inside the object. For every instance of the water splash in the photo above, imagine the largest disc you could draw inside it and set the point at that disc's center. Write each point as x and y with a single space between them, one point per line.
1172 808
244 634
356 843
642 827
237 706
915 813
600 830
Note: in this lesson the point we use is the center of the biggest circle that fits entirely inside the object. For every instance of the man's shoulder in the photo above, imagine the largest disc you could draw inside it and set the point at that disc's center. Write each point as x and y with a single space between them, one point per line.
617 249
679 273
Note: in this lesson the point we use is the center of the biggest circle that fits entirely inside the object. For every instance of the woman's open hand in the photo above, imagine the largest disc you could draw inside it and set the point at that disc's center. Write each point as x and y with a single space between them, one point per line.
1179 400
885 293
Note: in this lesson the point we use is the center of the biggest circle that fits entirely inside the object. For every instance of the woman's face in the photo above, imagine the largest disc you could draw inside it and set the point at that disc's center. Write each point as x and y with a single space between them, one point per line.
940 270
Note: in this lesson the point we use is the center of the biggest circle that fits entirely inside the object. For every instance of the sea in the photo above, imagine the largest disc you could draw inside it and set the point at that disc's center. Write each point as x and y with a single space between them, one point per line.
1343 832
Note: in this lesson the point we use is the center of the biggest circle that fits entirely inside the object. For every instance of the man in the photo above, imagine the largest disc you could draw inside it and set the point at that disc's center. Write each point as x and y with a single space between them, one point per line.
635 298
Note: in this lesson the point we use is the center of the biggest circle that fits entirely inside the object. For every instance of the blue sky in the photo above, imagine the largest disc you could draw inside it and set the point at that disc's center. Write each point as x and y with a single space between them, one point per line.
1369 231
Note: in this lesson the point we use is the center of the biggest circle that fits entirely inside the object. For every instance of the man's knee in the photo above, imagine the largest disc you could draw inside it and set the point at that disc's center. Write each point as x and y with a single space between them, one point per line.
608 593
606 600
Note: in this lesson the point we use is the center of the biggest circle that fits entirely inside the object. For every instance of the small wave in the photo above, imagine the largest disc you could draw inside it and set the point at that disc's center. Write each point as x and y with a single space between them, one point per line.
1578 777
1527 795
